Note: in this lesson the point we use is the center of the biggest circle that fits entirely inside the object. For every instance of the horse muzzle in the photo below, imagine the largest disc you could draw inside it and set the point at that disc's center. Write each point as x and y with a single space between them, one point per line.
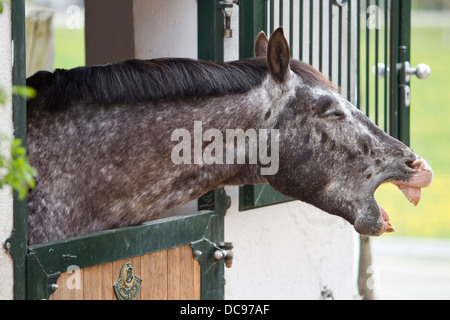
375 221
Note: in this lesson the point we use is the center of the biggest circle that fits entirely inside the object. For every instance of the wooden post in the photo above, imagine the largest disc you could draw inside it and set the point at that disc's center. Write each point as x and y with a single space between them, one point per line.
39 40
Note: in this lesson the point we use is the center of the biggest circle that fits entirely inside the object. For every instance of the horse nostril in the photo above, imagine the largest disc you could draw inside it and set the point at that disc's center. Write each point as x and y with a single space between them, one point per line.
408 161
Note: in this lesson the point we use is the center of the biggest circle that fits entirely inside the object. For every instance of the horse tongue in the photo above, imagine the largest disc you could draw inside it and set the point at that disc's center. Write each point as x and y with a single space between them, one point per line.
411 193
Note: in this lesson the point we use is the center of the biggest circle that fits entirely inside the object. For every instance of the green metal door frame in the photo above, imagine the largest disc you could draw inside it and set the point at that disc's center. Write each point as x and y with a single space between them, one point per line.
252 20
16 245
210 30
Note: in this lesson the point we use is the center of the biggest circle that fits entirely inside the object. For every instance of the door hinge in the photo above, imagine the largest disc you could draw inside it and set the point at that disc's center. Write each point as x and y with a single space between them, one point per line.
221 251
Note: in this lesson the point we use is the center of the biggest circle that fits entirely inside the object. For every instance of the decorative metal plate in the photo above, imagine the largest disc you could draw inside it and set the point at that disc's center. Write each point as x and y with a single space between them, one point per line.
128 285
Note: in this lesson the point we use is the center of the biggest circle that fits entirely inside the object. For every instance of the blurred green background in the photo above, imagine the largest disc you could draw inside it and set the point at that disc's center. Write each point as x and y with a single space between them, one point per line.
430 119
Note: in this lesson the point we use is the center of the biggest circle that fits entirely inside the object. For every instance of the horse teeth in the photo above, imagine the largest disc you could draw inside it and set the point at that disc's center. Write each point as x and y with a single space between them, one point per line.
390 228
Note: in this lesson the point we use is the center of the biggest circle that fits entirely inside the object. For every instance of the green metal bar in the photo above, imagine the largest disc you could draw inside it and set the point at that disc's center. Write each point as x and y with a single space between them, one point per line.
252 20
330 40
321 35
280 14
16 245
358 54
377 38
394 78
210 31
340 47
301 29
257 196
386 63
311 31
404 55
367 62
400 53
213 275
272 15
291 26
349 49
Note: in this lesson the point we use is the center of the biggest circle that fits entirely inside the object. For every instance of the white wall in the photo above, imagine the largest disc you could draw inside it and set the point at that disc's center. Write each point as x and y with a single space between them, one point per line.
6 127
165 28
289 251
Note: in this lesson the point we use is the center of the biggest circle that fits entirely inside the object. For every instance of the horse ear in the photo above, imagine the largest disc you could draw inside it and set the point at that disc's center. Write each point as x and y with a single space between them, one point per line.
278 55
261 44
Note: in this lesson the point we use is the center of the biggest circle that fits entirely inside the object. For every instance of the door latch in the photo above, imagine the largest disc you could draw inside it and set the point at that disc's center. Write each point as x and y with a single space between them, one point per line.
227 8
422 71
221 251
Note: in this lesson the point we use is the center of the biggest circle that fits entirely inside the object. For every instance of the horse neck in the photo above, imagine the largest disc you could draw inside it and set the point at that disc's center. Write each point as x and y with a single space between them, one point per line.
237 111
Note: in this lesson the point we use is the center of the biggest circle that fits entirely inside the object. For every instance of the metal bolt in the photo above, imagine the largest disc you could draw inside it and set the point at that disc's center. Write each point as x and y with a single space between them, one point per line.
54 286
197 253
220 254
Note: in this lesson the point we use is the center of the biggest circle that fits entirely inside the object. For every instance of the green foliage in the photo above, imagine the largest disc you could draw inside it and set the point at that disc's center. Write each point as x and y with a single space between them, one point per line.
26 92
15 169
19 174
3 97
2 4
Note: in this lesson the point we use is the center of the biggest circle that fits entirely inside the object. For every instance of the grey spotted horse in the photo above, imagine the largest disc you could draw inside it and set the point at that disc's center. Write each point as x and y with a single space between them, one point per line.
101 140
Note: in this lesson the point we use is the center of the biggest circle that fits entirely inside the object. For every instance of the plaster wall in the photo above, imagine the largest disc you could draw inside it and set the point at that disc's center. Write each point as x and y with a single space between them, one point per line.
6 128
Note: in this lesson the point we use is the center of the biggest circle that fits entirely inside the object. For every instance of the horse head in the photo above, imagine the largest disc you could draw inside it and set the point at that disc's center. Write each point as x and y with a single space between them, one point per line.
330 154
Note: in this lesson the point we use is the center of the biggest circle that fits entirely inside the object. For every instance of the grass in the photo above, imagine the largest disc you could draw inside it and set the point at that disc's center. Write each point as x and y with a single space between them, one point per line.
69 48
430 133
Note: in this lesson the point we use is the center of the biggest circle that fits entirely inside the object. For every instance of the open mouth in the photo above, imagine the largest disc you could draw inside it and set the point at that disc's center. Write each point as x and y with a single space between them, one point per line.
423 175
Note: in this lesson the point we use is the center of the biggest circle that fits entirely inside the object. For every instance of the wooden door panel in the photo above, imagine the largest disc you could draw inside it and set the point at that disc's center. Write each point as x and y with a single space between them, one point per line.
170 274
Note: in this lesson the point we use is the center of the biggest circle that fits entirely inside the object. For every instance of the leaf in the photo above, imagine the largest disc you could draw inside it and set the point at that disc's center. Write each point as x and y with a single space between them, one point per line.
19 173
3 97
26 92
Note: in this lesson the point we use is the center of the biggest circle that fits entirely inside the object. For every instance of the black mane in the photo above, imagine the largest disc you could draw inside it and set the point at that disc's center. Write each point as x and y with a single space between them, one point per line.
135 81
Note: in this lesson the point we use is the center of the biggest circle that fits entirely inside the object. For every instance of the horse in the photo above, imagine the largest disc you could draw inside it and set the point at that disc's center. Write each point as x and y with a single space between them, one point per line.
102 141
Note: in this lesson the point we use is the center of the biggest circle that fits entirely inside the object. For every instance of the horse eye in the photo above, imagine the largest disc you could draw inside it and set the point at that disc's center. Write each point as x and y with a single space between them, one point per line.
334 114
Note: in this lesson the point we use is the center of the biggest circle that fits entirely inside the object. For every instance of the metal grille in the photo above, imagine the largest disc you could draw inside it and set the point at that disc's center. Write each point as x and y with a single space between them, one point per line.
345 40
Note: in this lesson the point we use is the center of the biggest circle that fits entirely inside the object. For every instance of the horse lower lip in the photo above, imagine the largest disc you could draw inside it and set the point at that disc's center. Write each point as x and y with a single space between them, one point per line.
387 225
